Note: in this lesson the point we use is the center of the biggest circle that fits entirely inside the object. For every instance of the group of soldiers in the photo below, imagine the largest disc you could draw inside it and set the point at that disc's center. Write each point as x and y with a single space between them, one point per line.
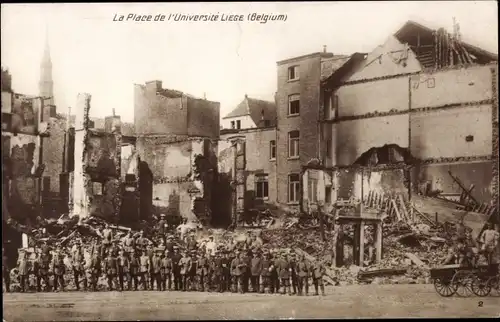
467 251
134 263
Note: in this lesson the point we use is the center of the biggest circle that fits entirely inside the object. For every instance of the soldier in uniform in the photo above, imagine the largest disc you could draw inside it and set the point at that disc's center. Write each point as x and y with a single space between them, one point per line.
185 268
78 260
192 244
176 269
247 259
155 271
266 268
216 272
302 268
202 271
59 268
5 271
169 246
226 271
255 271
248 240
284 271
293 273
23 267
275 281
140 242
41 270
134 270
166 272
107 234
144 269
124 271
238 273
192 271
95 269
162 225
111 269
129 243
318 271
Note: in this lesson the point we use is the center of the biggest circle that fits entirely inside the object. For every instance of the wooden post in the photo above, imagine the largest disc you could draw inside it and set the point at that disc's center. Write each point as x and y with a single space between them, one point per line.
321 223
378 241
361 243
355 245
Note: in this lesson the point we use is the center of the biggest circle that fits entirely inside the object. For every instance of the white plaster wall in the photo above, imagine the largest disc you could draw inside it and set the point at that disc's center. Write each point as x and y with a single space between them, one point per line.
353 138
389 53
376 96
246 122
6 102
451 86
441 133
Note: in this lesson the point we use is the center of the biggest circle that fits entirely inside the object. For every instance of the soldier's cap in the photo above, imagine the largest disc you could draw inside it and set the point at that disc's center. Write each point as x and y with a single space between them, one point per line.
170 237
162 215
176 247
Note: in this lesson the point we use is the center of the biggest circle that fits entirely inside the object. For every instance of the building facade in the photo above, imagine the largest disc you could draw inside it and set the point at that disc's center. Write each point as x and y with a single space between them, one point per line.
251 113
419 111
299 103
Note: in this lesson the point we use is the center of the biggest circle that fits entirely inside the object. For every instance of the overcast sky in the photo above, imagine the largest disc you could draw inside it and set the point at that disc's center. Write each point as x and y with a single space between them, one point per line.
225 60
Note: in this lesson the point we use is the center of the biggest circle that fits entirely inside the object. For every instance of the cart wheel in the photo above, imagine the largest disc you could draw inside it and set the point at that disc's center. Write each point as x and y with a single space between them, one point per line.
493 283
463 283
444 289
481 286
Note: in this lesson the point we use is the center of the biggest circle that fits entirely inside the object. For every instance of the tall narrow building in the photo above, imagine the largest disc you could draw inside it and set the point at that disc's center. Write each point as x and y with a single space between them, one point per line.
46 84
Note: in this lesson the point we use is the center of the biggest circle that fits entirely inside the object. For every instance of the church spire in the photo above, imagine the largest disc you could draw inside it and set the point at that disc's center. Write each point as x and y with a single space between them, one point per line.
46 85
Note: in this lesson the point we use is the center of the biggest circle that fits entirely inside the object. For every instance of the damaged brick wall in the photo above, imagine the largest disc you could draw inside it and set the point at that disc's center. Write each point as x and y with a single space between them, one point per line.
446 119
79 181
203 118
353 138
260 166
162 111
53 150
178 184
103 168
95 182
224 195
24 114
20 155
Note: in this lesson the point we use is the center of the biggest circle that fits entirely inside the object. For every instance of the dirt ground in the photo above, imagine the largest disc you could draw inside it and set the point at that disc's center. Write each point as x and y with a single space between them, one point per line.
365 301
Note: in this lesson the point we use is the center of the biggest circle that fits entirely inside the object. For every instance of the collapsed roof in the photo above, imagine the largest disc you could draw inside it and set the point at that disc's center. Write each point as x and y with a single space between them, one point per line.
437 48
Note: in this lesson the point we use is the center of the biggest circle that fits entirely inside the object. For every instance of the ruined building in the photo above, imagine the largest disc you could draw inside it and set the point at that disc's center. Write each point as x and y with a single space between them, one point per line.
177 136
95 184
417 113
23 132
247 158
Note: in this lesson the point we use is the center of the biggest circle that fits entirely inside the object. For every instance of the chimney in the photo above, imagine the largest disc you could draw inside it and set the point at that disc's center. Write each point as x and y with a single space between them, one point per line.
324 48
155 85
204 95
246 96
113 110
262 122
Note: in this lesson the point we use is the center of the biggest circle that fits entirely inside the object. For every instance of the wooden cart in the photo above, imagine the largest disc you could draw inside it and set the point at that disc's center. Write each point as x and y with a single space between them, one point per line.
465 281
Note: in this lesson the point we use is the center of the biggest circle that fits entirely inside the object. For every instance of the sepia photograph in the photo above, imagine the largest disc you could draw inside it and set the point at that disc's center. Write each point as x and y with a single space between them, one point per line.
250 160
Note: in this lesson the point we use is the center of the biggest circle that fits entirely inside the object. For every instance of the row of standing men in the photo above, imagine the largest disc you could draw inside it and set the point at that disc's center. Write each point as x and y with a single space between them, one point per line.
134 268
